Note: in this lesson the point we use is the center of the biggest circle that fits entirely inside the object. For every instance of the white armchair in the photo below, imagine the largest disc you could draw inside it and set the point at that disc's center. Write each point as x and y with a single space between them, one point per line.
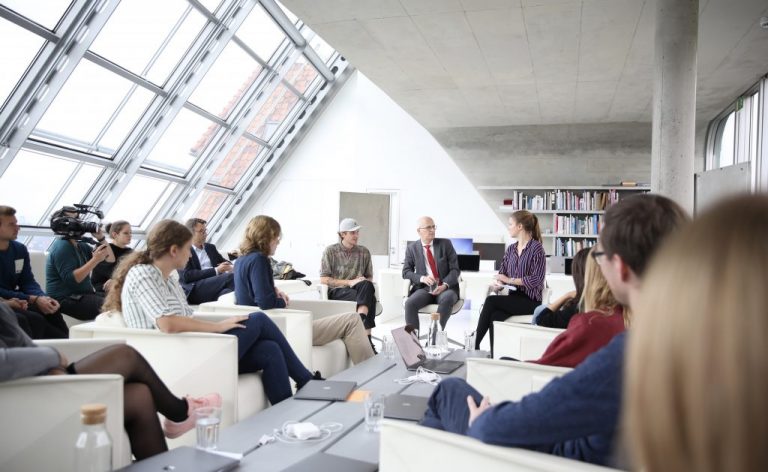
521 341
328 359
403 446
198 363
42 414
509 380
323 290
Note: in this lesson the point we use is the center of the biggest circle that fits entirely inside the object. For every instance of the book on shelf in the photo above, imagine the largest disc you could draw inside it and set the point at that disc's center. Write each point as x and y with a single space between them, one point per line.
570 224
568 247
563 200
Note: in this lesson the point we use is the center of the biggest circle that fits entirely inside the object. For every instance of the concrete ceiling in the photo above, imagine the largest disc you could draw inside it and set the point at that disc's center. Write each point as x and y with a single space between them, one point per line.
476 63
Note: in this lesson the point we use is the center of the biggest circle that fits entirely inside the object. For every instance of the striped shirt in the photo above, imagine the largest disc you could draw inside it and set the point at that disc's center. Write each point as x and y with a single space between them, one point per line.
147 296
530 266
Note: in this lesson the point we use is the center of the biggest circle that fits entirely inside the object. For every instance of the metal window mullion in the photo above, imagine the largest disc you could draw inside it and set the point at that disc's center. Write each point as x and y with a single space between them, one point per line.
60 193
295 35
257 177
57 151
260 141
48 73
124 73
761 164
209 46
206 114
27 24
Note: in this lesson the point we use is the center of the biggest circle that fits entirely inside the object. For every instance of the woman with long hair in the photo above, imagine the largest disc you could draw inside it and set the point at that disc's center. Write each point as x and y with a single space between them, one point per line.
522 270
559 313
150 298
695 382
255 285
120 232
601 319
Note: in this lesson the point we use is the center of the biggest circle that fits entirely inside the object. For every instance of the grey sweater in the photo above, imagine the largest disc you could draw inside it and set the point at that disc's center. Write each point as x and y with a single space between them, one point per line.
19 357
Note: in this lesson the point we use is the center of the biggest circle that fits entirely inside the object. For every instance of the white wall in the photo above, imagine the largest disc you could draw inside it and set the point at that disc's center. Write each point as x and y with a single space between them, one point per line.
365 142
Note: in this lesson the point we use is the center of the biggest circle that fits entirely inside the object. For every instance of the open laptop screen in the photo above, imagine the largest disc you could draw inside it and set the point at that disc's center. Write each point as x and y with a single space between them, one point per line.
408 345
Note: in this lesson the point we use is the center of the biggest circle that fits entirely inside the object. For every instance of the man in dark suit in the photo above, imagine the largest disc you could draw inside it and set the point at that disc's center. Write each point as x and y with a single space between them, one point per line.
432 267
207 275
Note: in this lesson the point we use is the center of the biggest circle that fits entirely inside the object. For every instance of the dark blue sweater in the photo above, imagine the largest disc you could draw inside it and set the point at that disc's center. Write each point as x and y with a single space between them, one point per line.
17 284
254 283
574 416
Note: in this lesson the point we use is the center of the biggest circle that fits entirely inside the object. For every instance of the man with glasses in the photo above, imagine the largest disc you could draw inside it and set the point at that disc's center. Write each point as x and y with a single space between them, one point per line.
38 314
207 275
346 268
432 266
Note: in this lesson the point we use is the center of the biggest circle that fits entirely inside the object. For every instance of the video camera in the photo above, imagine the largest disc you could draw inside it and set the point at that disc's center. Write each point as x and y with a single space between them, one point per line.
74 227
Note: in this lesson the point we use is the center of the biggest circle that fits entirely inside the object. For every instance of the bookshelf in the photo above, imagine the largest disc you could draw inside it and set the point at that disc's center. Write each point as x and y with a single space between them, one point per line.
570 216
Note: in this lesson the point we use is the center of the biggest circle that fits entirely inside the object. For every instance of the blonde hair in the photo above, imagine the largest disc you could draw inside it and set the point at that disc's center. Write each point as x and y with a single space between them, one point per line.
161 238
597 295
259 234
696 383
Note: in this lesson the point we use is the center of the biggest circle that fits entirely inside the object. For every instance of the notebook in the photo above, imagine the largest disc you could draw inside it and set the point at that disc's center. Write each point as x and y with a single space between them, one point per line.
414 357
405 407
328 390
184 458
322 462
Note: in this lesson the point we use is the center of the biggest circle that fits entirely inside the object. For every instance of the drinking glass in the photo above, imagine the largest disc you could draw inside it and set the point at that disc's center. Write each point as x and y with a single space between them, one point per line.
442 341
374 412
207 422
388 346
469 340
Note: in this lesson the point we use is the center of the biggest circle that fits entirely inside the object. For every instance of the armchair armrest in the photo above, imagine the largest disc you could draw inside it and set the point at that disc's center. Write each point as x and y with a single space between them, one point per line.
509 380
521 341
76 349
44 412
403 445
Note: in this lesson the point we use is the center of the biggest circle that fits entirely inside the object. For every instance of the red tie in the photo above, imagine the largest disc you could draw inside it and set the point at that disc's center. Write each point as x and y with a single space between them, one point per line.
432 264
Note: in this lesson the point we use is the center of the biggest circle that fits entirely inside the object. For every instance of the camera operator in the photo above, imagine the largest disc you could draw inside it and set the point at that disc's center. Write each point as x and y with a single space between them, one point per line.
68 269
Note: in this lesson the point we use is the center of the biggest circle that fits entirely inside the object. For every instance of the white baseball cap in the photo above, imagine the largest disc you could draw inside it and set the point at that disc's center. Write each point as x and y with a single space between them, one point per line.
348 224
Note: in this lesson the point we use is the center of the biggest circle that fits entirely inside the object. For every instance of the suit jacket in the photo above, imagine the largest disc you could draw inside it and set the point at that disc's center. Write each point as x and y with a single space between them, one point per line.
194 272
415 265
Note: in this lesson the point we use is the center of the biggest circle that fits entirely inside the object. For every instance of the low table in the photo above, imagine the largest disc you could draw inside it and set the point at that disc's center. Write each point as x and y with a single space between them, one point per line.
377 375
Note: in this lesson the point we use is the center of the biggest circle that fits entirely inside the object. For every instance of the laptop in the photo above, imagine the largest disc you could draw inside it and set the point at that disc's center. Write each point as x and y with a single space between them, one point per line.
323 462
414 357
405 407
328 390
556 264
184 458
469 262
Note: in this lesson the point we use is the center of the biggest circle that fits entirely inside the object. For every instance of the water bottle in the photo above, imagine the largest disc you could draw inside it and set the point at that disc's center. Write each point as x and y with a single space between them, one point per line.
434 328
93 449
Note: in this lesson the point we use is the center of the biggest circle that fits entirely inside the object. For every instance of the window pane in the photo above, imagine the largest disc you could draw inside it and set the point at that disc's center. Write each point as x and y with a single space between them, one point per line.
323 49
236 163
137 30
755 102
140 200
206 205
44 12
211 5
276 109
226 81
260 33
40 243
15 59
182 143
85 105
16 181
80 185
301 74
724 142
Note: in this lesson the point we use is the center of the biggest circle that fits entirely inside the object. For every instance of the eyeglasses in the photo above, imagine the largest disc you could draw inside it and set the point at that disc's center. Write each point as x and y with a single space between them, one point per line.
429 228
596 255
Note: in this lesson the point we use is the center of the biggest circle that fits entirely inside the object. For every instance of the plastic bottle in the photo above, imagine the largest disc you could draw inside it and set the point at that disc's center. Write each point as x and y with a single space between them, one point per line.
93 449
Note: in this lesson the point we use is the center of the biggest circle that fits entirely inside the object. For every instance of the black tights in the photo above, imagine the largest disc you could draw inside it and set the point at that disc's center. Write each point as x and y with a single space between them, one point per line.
499 308
144 396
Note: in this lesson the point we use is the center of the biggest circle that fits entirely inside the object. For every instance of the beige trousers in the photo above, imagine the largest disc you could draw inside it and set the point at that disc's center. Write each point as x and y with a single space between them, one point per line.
349 328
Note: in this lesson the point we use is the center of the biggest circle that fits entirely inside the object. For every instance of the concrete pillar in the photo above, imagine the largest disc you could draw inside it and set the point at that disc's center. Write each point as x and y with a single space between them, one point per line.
674 100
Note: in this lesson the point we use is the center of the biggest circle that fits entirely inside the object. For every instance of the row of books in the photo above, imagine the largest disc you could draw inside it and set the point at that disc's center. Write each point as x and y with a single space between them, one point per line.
563 200
568 247
590 225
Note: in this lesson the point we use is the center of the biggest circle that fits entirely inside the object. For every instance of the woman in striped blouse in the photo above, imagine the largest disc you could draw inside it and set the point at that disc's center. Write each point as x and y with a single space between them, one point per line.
523 268
150 298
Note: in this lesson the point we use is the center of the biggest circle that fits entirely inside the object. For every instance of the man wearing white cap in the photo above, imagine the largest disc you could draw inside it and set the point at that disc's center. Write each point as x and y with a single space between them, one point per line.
347 270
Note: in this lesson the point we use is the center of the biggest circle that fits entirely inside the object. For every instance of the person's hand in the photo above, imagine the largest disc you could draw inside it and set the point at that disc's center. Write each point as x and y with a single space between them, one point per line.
356 280
101 252
108 285
440 289
570 295
283 295
231 323
427 280
17 304
477 410
61 369
46 305
99 234
224 267
503 279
